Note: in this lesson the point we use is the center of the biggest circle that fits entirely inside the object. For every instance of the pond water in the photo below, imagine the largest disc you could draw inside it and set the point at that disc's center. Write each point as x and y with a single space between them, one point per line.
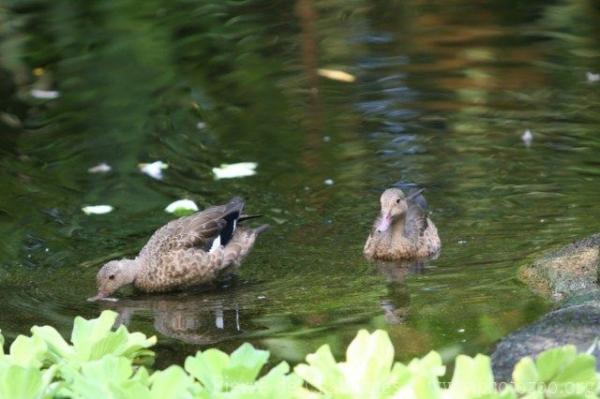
442 95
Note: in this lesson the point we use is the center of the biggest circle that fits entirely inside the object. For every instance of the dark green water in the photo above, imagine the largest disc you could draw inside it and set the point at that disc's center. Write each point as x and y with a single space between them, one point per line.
443 93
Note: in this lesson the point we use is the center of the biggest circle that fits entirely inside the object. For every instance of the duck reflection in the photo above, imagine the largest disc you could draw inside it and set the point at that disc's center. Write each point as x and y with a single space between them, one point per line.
396 304
194 318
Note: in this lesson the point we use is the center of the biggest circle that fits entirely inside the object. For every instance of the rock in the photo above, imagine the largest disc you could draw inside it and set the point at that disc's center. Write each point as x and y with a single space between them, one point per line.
569 275
570 270
577 324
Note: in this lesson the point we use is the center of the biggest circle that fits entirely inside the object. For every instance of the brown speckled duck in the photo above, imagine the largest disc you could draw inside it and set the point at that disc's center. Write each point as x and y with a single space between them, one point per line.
403 230
188 251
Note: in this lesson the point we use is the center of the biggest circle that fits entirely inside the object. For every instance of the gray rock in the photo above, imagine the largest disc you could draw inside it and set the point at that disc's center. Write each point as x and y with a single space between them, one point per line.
577 324
568 271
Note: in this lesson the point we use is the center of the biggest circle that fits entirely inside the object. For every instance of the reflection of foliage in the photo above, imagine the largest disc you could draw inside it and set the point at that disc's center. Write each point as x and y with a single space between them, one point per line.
100 363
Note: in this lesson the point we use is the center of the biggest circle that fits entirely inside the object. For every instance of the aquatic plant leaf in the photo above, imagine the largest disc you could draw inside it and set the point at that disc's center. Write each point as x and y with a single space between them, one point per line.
85 332
93 339
277 384
472 377
323 373
58 348
525 376
17 382
550 362
578 377
244 364
109 377
423 381
172 382
28 351
208 368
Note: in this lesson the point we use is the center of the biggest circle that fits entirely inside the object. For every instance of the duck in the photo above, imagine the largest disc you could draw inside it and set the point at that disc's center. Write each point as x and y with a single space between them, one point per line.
193 250
403 229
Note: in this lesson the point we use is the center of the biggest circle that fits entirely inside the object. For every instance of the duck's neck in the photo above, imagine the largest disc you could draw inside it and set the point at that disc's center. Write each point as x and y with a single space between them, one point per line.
131 269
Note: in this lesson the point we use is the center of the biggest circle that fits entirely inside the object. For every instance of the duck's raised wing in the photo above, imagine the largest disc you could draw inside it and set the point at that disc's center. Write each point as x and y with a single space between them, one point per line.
212 226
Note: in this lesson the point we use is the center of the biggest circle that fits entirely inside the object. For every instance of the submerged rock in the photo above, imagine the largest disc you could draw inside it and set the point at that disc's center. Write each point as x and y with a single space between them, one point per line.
569 274
570 270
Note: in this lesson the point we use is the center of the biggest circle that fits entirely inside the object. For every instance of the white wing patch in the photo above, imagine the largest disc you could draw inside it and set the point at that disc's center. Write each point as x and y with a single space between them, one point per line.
216 244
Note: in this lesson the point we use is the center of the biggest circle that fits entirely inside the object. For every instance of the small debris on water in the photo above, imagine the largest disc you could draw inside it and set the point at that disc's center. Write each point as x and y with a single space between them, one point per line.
328 182
44 94
461 330
182 206
261 297
326 139
462 242
335 74
592 77
527 137
154 169
100 168
240 169
97 209
200 125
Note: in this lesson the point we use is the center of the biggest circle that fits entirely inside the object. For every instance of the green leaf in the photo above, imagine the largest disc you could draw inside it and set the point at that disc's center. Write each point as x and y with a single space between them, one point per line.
93 339
58 348
109 377
526 376
17 382
28 351
550 362
367 371
208 368
244 364
369 360
423 378
172 382
323 373
472 377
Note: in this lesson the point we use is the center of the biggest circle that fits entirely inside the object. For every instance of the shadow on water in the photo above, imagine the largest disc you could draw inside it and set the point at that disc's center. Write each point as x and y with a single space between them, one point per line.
441 96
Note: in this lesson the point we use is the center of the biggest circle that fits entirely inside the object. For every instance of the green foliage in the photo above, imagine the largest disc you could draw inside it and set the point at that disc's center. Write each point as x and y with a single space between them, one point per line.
104 363
558 373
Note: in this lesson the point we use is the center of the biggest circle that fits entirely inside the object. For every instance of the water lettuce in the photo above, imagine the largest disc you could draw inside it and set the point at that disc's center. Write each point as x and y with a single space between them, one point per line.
103 362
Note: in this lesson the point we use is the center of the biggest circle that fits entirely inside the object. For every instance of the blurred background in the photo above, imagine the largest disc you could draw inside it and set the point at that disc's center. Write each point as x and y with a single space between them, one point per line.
334 100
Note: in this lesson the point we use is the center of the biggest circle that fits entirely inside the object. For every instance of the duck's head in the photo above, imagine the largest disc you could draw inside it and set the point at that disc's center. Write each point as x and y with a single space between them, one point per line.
114 275
394 205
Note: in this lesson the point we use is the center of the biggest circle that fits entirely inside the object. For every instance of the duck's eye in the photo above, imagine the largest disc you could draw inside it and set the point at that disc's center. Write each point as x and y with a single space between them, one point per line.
398 201
111 277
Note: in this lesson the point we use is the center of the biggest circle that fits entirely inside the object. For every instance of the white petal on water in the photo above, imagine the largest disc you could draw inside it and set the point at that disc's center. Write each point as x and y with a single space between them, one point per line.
154 169
527 137
97 209
592 77
100 168
183 204
200 125
328 182
335 74
44 94
240 169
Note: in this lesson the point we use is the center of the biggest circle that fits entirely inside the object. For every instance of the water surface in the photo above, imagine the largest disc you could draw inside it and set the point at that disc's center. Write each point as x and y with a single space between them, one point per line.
442 96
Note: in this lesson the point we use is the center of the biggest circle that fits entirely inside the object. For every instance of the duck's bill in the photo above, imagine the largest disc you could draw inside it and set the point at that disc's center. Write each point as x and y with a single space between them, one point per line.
384 223
101 297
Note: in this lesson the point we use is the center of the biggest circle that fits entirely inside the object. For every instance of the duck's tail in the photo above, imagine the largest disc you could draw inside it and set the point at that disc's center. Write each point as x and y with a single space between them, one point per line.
261 229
